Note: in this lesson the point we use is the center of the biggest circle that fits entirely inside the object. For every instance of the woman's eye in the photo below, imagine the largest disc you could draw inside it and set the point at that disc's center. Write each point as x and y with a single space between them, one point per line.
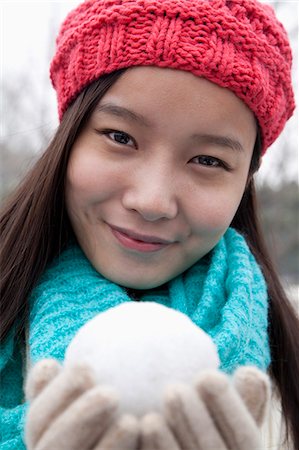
120 137
209 161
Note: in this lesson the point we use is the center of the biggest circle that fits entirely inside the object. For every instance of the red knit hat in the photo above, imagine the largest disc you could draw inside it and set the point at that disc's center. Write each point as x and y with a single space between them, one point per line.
237 44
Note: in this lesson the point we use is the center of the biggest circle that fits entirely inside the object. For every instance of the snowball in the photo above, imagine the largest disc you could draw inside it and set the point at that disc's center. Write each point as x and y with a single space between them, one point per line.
139 348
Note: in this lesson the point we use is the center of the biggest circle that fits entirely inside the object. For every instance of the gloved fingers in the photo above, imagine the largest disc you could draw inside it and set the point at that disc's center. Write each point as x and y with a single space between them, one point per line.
80 425
255 389
156 434
190 420
122 434
40 376
65 388
227 409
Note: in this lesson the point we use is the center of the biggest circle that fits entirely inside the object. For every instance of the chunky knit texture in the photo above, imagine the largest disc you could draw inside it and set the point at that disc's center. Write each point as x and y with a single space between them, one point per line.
224 293
237 44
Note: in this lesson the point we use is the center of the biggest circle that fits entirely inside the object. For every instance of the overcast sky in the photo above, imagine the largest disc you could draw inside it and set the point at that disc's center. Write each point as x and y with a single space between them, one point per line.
27 28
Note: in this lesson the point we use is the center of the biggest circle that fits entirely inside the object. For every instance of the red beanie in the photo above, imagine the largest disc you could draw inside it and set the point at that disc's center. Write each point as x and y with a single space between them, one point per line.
237 44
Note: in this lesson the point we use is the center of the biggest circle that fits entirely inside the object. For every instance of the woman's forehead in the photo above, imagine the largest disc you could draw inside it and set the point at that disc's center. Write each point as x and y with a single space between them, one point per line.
153 98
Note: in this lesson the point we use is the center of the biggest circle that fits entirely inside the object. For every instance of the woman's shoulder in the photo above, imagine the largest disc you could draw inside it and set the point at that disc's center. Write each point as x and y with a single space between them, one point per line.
70 264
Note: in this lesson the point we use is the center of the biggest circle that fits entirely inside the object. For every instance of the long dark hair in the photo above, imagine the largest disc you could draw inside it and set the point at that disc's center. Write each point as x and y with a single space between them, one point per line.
35 228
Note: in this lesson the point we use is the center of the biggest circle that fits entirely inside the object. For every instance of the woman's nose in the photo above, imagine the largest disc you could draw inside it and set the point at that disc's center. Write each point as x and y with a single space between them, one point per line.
153 196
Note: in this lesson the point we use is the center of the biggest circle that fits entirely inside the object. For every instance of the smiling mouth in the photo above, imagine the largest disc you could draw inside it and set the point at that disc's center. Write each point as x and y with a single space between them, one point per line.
134 241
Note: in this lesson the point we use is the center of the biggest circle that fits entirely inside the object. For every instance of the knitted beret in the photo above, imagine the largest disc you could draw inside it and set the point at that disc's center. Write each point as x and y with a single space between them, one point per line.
237 44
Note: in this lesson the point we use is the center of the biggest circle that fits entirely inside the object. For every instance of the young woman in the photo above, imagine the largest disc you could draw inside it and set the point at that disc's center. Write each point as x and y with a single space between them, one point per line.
166 109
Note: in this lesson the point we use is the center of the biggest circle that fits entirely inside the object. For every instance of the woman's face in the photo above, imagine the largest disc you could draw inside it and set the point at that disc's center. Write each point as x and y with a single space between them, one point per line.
156 176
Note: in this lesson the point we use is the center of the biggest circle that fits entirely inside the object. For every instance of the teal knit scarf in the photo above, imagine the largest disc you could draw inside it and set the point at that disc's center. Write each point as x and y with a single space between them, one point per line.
224 293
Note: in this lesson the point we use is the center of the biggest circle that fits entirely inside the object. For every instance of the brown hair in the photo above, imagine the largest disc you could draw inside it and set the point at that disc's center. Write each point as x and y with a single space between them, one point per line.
35 228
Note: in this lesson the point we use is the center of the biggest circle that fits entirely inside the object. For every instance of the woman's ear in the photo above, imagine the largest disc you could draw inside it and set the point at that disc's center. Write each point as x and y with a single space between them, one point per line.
258 164
254 167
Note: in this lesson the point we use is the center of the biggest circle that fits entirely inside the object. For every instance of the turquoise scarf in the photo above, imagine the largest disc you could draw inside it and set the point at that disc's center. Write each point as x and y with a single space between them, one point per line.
224 293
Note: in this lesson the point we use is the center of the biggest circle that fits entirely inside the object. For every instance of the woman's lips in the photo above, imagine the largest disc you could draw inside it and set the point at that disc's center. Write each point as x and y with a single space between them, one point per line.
148 245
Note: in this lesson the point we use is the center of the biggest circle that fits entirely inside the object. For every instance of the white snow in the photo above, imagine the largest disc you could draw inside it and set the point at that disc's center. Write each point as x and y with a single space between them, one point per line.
138 348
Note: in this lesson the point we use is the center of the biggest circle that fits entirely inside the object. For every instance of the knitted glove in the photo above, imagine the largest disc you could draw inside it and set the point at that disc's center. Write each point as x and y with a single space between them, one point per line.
69 411
215 413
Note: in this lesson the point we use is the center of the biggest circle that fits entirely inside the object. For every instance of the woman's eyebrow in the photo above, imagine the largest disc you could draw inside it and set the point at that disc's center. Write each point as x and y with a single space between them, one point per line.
222 141
125 113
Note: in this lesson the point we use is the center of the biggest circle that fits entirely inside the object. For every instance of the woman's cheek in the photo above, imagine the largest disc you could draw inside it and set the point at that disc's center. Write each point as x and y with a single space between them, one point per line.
91 181
216 212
